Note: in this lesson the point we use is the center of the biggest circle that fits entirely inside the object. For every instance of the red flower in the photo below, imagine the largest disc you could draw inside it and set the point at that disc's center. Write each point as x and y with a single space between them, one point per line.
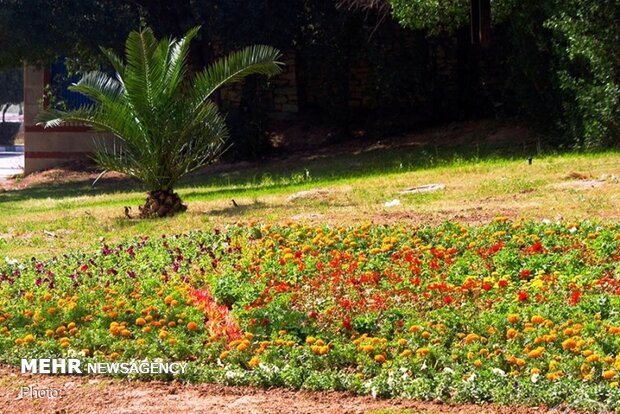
487 285
447 300
535 248
575 297
346 324
502 283
525 274
522 296
496 247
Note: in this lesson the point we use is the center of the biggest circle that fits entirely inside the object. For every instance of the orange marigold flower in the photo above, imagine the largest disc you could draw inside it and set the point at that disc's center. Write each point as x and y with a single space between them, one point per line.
609 374
192 326
536 353
569 343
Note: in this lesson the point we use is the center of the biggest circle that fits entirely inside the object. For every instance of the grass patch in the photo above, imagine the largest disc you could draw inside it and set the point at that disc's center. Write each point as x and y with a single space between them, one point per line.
477 189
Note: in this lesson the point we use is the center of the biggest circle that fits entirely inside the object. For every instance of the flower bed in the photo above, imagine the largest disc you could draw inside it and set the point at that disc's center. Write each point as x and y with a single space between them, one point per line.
507 312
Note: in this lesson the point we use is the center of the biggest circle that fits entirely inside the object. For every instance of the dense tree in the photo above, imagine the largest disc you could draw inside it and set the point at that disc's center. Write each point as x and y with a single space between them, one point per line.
11 89
38 31
564 57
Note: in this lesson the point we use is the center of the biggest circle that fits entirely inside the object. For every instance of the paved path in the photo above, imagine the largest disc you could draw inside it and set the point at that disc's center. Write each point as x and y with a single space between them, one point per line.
12 117
11 163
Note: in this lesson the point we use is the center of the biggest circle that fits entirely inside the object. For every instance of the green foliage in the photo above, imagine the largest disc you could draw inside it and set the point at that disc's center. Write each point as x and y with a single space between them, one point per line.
589 68
168 125
38 31
563 55
11 87
433 16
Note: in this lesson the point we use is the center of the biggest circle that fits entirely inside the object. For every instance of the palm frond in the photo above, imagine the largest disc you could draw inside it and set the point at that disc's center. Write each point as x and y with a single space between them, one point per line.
164 131
258 59
99 87
116 62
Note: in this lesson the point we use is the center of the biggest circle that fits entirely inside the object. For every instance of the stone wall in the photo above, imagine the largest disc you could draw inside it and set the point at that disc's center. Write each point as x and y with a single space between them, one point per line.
282 94
284 87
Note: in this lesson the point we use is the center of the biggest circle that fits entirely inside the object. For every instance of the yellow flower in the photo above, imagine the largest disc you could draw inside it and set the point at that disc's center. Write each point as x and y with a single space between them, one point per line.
422 352
253 363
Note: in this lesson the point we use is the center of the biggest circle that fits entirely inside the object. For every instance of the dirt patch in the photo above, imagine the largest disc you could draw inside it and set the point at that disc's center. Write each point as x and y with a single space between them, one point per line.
580 184
73 172
103 396
315 193
308 217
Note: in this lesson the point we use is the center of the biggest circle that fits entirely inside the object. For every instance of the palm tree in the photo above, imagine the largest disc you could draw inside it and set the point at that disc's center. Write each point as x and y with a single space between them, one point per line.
167 124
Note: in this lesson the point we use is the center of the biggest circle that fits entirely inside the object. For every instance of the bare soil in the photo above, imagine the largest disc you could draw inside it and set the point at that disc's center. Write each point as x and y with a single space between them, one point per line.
97 395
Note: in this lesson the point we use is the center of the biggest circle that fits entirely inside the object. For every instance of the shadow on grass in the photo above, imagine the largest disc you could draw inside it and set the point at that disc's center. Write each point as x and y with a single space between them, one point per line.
278 175
239 209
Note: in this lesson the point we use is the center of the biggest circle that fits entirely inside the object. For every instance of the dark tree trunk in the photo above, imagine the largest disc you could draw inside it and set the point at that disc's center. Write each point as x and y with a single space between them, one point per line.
162 203
6 108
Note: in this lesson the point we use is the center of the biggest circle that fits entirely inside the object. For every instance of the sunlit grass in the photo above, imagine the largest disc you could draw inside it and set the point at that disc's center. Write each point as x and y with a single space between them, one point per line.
44 221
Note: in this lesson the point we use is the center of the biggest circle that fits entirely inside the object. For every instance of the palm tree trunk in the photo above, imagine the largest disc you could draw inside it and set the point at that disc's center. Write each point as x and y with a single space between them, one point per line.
162 203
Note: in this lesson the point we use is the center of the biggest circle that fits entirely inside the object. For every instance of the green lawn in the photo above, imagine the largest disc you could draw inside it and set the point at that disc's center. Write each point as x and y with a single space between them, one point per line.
46 220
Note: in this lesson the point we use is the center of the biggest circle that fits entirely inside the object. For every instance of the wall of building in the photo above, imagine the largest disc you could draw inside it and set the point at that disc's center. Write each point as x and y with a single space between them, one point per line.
45 148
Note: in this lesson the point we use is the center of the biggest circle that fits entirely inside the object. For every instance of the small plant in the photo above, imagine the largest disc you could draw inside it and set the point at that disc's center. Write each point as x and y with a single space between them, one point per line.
167 124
